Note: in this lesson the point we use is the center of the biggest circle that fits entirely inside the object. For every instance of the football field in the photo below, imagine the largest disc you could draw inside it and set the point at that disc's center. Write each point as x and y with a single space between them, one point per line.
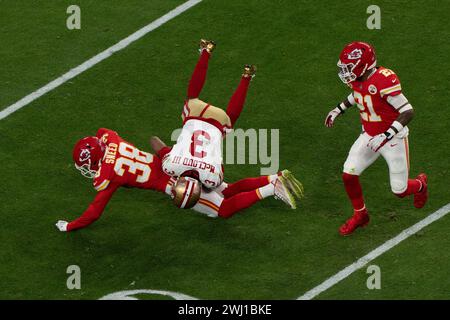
137 88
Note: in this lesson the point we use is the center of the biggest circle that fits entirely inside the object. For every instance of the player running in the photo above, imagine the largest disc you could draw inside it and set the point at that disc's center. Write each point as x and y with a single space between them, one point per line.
385 113
198 151
113 162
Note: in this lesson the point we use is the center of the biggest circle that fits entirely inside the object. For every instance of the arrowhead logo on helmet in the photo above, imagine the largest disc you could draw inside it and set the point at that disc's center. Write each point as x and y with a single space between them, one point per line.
355 54
355 59
87 155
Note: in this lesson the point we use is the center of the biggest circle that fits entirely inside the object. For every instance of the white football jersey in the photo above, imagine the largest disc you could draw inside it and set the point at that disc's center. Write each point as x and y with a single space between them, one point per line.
198 148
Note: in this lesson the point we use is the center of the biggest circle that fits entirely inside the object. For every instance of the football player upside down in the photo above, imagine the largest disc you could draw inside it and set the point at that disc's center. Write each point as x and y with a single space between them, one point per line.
198 151
113 162
385 113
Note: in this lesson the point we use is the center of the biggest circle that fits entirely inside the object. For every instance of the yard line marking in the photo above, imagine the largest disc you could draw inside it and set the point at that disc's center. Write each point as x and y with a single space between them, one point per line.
361 262
129 294
72 73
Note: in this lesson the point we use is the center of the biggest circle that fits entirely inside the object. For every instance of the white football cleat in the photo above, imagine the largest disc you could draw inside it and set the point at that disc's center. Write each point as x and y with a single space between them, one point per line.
282 192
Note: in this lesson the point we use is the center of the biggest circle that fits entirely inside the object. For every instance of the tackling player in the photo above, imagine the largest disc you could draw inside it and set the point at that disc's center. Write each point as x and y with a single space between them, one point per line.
385 113
113 162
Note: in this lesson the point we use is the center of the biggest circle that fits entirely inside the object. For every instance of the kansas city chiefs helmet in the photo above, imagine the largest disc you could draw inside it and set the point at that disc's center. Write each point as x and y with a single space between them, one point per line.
87 154
355 59
186 192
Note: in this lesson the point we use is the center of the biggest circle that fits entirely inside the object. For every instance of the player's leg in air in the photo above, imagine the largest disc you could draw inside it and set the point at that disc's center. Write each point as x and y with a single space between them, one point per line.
198 150
396 154
194 107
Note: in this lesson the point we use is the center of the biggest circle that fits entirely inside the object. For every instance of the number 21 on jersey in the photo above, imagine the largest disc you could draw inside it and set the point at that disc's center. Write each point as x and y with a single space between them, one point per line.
366 106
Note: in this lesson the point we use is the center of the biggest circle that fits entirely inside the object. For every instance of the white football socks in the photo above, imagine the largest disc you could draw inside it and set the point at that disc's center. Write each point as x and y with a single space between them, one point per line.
267 190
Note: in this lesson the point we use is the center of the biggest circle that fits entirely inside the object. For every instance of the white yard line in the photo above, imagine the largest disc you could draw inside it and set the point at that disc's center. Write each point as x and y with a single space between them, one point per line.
98 58
405 234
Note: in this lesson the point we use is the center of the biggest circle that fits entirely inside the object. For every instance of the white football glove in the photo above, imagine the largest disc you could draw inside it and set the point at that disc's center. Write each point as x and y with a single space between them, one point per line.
332 115
62 225
378 141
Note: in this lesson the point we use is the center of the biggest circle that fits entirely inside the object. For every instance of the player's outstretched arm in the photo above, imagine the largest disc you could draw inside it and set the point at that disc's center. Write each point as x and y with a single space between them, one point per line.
338 110
92 213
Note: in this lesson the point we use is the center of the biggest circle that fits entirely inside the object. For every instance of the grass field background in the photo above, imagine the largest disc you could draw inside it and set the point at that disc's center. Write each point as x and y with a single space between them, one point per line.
268 252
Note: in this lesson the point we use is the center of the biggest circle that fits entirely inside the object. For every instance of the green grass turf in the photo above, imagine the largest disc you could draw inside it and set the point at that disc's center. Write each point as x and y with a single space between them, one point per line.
269 252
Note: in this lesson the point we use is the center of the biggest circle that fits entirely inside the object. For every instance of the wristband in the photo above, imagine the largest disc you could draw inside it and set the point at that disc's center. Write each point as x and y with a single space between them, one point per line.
341 106
394 129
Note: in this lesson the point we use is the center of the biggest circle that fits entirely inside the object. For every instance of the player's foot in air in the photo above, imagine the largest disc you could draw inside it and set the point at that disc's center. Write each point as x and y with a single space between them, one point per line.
359 219
282 192
421 197
207 45
249 71
295 186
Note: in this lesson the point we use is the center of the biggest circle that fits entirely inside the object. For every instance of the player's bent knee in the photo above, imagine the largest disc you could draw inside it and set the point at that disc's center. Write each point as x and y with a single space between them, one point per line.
348 177
349 173
351 168
399 188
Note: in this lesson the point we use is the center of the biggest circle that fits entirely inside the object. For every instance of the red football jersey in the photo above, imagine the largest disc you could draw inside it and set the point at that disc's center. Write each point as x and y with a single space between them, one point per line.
126 165
122 165
370 96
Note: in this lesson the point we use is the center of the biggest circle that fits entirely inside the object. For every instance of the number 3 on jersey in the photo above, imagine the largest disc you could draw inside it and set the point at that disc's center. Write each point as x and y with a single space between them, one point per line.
199 137
133 160
366 106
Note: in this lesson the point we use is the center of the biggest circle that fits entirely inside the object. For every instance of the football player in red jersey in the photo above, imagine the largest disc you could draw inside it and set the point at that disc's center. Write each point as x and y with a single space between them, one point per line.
385 113
113 162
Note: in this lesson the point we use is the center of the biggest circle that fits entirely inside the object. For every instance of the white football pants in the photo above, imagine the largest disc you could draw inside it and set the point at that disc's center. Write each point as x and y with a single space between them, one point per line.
395 152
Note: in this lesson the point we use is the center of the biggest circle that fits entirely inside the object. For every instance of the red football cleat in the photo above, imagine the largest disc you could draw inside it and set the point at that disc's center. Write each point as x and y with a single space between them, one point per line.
421 197
359 219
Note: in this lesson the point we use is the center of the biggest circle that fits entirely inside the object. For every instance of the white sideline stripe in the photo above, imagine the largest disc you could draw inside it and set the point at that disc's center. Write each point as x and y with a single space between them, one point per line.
344 273
98 58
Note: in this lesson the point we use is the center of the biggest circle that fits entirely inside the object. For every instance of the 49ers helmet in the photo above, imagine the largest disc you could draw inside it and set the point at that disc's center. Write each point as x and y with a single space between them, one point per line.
87 154
355 59
186 192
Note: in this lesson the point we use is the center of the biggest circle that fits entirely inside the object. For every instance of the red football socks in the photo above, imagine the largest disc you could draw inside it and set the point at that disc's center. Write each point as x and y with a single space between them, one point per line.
354 191
236 103
198 77
245 185
238 202
414 186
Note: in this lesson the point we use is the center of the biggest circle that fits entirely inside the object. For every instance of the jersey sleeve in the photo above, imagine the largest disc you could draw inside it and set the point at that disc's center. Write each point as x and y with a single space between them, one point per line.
389 84
103 177
106 134
95 209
